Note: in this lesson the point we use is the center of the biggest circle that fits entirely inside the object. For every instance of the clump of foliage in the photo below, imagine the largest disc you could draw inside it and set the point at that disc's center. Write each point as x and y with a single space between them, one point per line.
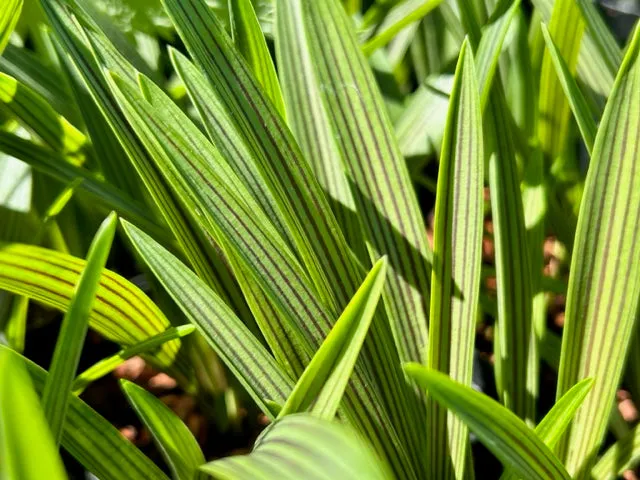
260 160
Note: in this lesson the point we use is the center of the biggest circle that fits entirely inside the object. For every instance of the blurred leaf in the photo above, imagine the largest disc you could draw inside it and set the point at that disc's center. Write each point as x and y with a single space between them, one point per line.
175 441
92 440
27 448
312 447
604 282
502 432
8 18
622 455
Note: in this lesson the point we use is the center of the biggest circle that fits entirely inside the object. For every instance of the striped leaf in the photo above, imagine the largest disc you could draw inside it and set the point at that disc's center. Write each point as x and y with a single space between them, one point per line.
622 455
555 422
9 15
122 313
175 441
397 19
322 384
577 102
93 441
302 446
249 40
55 399
245 357
604 283
566 27
457 255
508 437
39 117
234 221
27 447
109 364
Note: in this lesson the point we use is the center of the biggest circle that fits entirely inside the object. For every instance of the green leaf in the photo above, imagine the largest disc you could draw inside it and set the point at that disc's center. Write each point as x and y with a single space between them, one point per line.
175 441
303 446
109 364
398 18
249 40
74 328
604 280
457 257
622 455
508 437
92 440
122 313
245 357
27 448
8 18
577 102
40 118
556 421
566 27
321 386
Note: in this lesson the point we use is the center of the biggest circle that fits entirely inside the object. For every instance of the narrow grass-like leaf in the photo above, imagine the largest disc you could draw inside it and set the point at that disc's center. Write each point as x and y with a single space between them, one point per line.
604 283
122 313
508 437
248 37
27 448
566 27
93 441
39 117
247 359
305 108
622 455
398 18
577 102
555 422
321 386
9 16
457 256
109 364
303 446
74 328
175 441
233 219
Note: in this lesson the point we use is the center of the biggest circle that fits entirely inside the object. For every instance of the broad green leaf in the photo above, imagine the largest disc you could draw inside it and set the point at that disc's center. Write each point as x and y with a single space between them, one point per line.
249 40
303 446
622 455
508 437
109 364
40 118
236 222
27 447
321 386
74 328
122 313
245 357
175 441
577 102
457 257
556 421
604 283
92 440
398 18
9 15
